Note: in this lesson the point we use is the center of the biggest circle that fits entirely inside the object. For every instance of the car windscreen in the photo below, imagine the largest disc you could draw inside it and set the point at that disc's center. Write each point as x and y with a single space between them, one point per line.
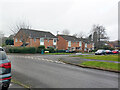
1 49
100 50
3 55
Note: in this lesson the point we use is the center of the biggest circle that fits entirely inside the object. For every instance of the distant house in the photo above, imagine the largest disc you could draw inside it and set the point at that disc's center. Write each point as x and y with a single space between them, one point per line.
67 42
87 45
114 44
35 38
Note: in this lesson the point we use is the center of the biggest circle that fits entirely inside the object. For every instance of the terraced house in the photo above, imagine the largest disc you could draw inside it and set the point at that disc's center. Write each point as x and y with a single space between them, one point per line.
35 38
88 45
67 42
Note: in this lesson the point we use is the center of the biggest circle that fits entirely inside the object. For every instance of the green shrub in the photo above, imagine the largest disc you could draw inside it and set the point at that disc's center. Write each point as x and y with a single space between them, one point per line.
60 51
39 49
28 50
93 50
22 50
51 50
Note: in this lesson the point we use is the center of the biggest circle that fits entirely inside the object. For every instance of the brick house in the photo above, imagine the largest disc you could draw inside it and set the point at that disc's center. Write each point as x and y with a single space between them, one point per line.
35 38
87 45
114 44
67 42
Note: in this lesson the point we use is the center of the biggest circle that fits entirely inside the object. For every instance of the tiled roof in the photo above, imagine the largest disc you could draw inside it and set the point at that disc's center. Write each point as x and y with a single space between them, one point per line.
38 34
70 38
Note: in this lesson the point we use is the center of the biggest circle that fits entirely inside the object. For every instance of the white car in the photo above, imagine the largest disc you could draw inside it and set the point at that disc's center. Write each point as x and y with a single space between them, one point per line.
100 52
1 49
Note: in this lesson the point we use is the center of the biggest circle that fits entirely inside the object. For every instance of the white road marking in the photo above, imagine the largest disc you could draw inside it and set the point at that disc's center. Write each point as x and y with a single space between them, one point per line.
11 84
39 58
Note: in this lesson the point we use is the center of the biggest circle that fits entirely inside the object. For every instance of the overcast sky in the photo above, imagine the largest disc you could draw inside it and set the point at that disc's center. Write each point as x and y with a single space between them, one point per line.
57 15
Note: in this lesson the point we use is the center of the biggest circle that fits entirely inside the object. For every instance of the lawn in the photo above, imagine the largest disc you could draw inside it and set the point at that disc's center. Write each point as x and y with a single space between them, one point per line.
102 65
100 57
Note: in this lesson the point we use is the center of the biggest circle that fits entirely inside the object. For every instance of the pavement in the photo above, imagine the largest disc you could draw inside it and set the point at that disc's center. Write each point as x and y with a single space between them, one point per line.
45 71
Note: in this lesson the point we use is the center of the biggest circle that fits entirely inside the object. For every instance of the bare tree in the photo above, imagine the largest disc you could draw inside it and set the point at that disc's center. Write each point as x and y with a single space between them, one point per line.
75 34
21 25
81 35
99 35
23 36
66 32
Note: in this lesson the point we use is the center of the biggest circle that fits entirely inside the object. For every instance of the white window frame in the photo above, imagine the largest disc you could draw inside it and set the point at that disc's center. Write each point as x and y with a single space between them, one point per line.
41 43
69 43
80 43
20 40
16 40
93 45
85 45
34 39
48 40
54 43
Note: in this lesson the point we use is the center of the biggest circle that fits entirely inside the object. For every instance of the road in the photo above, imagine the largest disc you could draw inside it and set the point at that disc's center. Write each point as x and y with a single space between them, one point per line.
40 71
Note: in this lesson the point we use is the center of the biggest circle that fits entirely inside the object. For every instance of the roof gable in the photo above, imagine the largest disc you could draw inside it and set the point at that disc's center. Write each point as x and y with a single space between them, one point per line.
37 34
70 38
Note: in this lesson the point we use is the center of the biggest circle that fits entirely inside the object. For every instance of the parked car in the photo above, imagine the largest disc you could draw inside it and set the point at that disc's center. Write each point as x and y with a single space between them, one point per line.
108 51
5 70
1 49
100 52
115 51
69 51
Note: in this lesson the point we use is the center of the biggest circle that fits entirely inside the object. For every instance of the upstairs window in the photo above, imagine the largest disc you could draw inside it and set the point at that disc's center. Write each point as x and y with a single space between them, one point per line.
80 43
76 42
54 41
85 45
16 40
41 41
34 39
93 45
69 43
20 40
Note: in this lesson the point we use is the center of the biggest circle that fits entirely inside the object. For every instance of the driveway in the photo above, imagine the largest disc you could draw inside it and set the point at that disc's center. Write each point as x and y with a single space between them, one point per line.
40 71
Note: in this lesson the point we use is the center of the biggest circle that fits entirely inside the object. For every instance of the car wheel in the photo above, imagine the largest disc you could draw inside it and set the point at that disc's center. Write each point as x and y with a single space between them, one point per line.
5 86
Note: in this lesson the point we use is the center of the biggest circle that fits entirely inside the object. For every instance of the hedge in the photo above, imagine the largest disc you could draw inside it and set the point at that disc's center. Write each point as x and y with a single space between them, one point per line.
51 50
40 48
60 51
22 50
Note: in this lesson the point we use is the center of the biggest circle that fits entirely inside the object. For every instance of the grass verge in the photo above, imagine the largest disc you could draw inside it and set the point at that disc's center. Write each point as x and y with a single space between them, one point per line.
106 66
102 65
100 57
19 83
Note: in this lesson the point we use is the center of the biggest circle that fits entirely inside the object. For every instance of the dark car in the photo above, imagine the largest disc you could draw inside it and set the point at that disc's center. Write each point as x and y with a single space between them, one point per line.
108 51
69 51
5 70
100 52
